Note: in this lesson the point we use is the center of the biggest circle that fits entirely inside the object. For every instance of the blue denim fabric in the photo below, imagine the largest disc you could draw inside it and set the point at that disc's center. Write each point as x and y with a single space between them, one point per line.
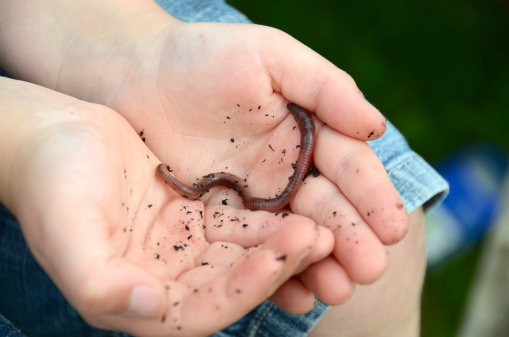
31 302
416 181
7 329
203 11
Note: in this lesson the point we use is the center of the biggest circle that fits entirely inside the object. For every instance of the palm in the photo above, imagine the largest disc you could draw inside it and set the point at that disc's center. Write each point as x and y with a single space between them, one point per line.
223 115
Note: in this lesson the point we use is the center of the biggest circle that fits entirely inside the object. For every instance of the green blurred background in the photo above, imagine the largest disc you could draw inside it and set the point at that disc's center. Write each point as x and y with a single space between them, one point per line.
438 70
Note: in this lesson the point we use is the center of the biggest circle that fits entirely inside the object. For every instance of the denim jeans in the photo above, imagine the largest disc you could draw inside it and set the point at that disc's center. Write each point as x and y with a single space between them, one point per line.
30 302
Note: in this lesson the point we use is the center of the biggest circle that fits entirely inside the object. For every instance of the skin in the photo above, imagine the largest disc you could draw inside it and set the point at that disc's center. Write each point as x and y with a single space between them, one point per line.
71 169
245 72
400 316
307 138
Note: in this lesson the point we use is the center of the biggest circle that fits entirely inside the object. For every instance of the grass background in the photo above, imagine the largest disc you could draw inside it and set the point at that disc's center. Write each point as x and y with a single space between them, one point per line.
438 70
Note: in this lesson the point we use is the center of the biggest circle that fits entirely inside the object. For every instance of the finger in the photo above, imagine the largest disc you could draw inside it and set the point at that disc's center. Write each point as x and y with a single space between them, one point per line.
220 253
201 310
304 77
247 229
244 227
294 297
362 179
198 311
328 280
357 249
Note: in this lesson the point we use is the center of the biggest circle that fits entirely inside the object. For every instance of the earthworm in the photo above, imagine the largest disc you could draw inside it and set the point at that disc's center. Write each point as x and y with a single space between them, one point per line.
307 139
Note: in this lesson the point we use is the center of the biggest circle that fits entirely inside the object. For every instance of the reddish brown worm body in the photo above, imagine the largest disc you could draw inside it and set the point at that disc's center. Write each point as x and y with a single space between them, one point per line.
307 139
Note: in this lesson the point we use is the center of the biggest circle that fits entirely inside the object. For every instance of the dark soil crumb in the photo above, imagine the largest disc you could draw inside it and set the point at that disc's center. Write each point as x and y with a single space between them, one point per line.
281 258
312 171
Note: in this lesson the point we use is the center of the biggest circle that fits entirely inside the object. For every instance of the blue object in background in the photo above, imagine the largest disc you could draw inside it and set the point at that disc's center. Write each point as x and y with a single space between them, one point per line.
475 174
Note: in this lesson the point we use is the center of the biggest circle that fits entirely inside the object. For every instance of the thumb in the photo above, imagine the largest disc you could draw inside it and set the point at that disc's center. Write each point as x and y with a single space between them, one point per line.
86 264
77 236
116 287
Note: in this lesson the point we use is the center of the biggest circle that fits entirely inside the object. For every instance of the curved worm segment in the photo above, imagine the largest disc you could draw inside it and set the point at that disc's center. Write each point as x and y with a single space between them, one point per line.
307 129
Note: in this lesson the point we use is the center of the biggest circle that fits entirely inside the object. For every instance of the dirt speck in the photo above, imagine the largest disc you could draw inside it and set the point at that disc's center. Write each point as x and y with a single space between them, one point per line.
281 258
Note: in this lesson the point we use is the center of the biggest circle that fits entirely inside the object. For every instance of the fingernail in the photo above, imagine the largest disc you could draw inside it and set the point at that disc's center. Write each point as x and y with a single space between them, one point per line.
143 302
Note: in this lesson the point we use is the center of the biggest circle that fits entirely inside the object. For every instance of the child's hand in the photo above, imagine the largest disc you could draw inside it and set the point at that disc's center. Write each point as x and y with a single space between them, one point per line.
127 252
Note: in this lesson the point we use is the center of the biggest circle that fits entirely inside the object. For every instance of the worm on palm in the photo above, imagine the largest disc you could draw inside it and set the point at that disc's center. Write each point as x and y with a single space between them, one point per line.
306 126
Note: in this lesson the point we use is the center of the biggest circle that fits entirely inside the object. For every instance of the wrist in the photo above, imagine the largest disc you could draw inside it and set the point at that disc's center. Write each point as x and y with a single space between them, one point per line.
79 48
33 119
22 118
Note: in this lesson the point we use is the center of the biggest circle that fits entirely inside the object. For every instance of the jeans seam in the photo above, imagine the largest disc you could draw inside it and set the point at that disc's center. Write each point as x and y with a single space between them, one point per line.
256 325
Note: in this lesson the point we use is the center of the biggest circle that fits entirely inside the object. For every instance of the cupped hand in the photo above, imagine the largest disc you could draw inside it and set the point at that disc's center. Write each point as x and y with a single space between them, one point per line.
126 251
212 97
